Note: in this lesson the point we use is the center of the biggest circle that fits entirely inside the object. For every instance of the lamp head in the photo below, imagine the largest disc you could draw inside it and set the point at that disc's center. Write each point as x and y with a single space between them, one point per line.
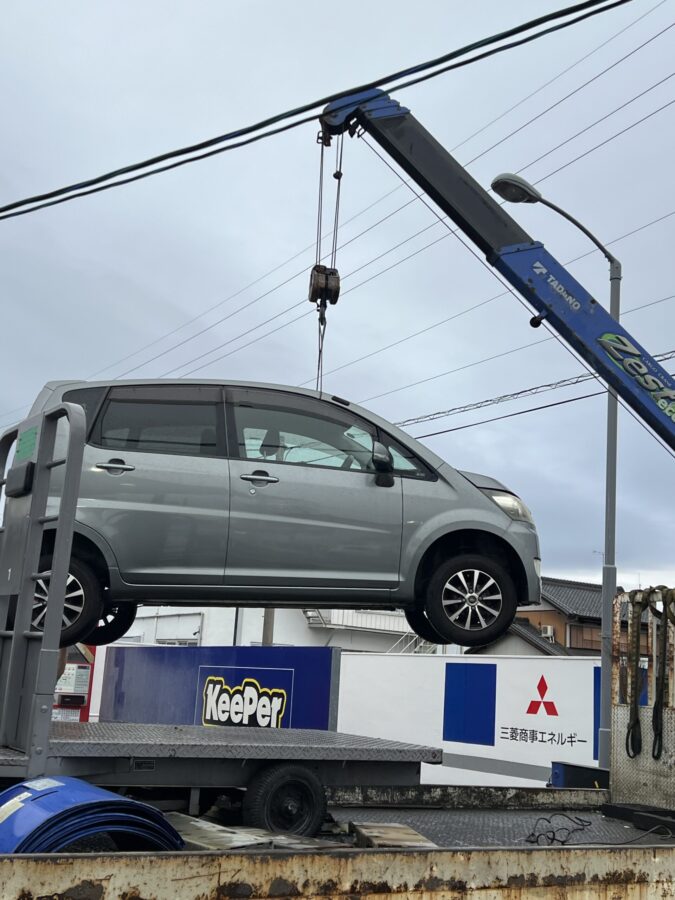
515 189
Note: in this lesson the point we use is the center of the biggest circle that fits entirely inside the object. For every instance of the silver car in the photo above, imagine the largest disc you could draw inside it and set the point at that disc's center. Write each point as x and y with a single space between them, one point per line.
204 492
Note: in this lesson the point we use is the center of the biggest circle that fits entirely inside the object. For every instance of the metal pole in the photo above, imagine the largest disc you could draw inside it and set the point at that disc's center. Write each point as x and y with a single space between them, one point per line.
268 628
609 567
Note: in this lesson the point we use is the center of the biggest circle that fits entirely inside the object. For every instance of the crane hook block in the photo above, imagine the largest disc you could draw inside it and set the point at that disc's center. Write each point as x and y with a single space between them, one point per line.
324 285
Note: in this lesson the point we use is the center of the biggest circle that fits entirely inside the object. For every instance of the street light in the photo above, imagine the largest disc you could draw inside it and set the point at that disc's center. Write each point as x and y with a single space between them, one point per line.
515 189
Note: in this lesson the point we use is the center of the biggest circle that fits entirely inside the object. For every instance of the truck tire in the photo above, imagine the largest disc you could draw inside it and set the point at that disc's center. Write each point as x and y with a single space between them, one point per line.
471 600
422 627
285 798
84 601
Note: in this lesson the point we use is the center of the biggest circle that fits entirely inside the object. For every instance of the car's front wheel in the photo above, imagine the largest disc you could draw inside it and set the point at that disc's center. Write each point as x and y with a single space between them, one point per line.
83 603
471 600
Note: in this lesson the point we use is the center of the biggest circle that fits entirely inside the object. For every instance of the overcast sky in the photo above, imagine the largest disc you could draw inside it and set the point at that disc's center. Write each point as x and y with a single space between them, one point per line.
91 86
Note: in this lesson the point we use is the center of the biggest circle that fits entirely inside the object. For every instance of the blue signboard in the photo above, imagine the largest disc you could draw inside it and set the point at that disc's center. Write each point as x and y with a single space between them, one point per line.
255 687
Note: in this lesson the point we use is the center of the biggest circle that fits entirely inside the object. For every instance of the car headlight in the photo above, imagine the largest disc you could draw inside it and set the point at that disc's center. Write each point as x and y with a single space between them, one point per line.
513 506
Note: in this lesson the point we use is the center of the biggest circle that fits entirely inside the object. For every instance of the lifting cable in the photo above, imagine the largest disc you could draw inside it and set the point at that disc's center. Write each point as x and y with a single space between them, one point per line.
324 282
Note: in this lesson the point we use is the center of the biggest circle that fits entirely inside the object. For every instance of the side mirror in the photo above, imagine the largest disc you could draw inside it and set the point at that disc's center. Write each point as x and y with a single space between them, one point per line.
382 460
383 464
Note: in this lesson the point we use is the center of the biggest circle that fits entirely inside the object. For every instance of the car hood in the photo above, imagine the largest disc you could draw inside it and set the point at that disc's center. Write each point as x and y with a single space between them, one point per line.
484 482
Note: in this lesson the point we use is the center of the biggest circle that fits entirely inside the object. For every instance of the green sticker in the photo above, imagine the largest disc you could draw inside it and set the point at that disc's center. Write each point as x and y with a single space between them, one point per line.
25 446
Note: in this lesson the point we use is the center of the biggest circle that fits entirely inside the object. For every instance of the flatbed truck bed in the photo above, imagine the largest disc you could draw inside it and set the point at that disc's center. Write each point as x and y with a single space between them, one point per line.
114 754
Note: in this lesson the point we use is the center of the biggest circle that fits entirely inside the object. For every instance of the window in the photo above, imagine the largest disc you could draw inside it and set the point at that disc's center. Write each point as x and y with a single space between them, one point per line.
161 420
88 398
302 437
405 461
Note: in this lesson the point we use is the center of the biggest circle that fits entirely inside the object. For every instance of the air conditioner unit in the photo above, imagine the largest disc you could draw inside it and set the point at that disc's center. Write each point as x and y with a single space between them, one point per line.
548 632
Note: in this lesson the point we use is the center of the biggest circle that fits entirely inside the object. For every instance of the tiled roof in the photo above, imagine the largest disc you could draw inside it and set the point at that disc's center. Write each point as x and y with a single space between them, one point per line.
532 635
574 598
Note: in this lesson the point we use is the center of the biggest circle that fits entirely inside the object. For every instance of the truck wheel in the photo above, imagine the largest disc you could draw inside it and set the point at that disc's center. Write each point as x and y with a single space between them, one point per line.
471 600
422 627
114 623
285 798
83 603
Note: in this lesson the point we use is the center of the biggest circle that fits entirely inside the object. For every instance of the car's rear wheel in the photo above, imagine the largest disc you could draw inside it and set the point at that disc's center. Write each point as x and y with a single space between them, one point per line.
422 627
114 623
83 604
471 600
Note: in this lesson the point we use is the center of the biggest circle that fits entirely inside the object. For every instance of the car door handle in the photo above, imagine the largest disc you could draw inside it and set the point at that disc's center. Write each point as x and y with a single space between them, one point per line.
260 476
115 465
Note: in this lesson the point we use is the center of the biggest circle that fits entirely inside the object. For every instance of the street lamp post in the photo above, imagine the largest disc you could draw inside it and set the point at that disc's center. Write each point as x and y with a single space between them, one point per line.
515 189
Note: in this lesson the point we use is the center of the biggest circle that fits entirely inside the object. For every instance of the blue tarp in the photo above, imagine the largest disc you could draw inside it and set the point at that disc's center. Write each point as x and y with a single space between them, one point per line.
47 815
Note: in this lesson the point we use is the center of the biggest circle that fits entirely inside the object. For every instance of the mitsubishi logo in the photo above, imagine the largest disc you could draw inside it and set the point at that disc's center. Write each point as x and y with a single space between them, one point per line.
535 705
539 268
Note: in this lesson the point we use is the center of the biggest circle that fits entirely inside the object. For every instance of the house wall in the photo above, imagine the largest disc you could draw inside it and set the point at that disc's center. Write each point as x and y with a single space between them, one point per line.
540 617
509 645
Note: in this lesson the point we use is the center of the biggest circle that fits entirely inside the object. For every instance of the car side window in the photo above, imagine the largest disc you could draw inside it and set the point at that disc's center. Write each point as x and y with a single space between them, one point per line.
405 461
161 422
302 435
88 398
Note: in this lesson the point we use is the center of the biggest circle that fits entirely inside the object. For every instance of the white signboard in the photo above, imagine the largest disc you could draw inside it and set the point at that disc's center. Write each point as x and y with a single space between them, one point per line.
499 720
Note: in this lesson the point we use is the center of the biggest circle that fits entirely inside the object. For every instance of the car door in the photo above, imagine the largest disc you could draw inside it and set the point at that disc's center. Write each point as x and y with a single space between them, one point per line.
306 510
155 482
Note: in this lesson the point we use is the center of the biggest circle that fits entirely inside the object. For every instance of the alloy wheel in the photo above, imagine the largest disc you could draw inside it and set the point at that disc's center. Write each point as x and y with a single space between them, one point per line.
72 607
472 599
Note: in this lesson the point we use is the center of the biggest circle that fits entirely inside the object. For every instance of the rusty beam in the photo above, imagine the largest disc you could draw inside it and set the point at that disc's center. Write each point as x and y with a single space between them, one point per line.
532 874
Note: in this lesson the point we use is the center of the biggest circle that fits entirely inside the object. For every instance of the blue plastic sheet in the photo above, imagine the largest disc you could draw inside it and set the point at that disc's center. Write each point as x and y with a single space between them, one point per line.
46 815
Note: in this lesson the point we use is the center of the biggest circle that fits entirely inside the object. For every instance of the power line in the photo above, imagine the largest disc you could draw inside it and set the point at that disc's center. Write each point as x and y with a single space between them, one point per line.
597 122
607 141
379 199
516 395
255 300
572 93
544 406
559 75
233 138
512 415
249 285
214 324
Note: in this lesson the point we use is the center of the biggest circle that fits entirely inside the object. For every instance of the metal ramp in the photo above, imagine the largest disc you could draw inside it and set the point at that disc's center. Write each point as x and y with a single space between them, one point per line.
29 659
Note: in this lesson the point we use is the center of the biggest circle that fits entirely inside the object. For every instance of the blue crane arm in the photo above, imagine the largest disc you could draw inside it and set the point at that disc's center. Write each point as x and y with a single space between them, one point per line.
525 263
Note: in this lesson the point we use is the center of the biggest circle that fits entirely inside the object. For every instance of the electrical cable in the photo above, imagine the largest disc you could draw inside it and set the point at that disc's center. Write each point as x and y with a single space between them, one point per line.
256 281
597 122
542 156
92 185
181 343
515 395
576 90
561 834
559 75
248 304
398 187
606 141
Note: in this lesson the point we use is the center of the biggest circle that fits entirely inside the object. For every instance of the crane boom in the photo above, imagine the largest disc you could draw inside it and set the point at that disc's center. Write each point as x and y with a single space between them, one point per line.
525 263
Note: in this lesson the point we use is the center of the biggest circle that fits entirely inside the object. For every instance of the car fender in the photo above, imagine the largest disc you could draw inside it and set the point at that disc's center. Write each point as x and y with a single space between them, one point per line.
440 526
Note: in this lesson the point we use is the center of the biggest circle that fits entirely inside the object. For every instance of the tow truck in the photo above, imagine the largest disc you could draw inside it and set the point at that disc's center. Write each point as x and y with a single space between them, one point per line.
28 659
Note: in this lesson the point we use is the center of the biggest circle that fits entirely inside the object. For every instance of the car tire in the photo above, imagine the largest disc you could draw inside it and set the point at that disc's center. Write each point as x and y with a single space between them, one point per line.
114 623
285 799
471 600
84 605
420 624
